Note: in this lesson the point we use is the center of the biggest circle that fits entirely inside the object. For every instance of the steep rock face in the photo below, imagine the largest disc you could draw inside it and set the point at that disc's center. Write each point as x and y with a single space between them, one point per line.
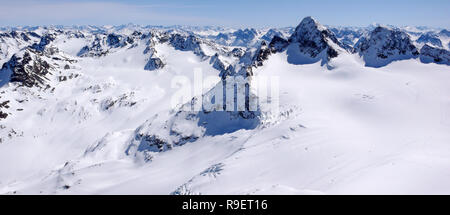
104 44
45 40
29 70
161 134
14 41
74 34
96 49
219 57
237 52
429 54
217 63
431 39
310 42
277 44
186 43
385 45
25 37
116 40
11 34
254 57
154 63
313 39
113 40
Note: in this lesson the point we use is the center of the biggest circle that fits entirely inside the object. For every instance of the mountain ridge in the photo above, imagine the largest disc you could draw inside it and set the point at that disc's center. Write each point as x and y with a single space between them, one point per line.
89 110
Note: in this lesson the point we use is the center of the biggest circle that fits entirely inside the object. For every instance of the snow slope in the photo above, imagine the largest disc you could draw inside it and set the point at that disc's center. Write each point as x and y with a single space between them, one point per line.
108 126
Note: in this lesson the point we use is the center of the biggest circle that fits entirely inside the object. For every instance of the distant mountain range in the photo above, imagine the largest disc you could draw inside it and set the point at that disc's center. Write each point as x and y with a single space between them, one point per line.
87 110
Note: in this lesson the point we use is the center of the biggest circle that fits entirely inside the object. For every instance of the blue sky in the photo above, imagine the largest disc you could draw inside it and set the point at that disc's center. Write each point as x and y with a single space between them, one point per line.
235 13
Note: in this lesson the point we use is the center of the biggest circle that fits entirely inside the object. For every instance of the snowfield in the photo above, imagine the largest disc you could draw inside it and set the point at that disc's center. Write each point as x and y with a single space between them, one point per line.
104 124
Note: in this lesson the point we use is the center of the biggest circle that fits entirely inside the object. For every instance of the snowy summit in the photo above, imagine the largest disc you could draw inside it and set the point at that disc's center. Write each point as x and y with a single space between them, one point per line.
94 110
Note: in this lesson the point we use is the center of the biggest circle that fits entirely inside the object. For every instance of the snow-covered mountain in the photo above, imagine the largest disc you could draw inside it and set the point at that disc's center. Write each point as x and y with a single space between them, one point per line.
89 110
385 45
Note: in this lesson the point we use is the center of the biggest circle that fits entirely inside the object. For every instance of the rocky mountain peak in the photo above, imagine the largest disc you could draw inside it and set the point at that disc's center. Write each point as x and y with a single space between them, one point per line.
308 24
186 43
384 45
431 39
313 38
430 54
45 40
28 70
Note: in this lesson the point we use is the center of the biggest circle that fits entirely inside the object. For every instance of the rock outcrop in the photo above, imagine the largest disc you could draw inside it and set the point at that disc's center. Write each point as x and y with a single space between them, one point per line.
384 45
430 54
28 70
313 40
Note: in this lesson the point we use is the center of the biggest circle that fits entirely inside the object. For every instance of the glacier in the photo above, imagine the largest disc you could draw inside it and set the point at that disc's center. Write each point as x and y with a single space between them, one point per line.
87 110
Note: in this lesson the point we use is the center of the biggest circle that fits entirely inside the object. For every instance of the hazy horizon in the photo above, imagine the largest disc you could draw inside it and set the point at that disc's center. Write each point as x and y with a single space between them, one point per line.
258 14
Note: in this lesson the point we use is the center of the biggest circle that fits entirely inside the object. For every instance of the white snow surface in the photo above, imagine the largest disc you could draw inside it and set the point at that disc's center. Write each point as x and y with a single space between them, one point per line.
347 130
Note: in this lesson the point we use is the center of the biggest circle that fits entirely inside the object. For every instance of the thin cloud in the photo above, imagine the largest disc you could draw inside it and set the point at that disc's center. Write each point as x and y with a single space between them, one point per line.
33 13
